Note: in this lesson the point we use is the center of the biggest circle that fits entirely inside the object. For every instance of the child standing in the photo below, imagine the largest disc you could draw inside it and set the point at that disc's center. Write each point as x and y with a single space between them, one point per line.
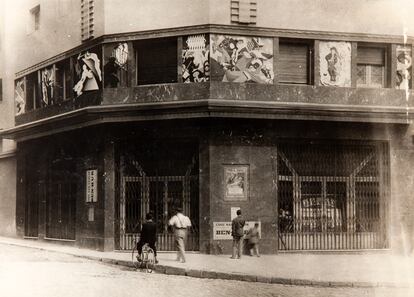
254 236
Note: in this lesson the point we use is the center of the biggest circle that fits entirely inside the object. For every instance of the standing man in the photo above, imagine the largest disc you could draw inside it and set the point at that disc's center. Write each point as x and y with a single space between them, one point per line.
237 232
180 223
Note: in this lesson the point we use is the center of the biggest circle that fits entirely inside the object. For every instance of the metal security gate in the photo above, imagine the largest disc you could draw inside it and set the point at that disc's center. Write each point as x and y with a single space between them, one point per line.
160 195
332 196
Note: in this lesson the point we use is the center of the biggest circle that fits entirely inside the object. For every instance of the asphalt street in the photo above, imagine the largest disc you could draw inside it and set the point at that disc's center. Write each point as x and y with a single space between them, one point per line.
33 272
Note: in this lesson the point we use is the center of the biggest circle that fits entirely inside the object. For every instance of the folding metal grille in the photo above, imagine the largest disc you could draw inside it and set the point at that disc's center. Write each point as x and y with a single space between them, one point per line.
332 196
160 195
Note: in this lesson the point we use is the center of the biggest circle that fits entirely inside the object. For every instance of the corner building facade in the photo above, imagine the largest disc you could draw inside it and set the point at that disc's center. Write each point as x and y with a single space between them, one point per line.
308 132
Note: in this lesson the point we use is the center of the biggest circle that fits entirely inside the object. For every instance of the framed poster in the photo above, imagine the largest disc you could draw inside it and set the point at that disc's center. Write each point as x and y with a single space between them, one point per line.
236 182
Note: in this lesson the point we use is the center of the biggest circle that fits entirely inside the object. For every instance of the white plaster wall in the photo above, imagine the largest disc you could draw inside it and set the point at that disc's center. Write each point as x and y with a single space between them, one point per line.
7 196
360 16
139 15
352 16
59 30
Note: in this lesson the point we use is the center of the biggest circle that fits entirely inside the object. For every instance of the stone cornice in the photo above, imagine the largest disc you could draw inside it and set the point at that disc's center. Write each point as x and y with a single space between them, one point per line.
211 108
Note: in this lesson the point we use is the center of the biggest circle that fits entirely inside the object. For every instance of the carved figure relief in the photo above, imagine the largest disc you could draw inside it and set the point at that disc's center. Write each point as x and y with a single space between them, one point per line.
242 59
335 63
195 53
404 65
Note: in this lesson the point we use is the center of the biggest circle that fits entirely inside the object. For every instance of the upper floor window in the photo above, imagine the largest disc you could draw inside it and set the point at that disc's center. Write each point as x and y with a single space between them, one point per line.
34 18
295 62
63 81
33 93
371 67
156 61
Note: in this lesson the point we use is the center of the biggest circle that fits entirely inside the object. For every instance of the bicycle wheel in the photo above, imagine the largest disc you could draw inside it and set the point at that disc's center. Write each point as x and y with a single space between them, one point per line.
134 255
150 263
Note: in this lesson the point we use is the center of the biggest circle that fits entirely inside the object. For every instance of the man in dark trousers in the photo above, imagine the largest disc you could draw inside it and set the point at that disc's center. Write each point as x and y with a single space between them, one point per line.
148 235
237 232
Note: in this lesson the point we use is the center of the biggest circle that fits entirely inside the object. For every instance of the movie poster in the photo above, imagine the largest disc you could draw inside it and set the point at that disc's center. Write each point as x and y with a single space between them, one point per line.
241 59
404 61
48 83
19 97
195 53
335 64
236 182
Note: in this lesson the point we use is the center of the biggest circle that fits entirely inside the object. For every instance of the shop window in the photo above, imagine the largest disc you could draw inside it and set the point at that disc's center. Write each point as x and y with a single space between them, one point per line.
157 61
371 67
294 63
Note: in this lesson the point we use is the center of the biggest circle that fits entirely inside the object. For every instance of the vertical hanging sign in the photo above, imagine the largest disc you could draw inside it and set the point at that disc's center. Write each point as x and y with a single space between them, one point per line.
92 185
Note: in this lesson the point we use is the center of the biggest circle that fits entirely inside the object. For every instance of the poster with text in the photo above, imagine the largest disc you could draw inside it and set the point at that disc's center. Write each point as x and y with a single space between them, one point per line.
222 230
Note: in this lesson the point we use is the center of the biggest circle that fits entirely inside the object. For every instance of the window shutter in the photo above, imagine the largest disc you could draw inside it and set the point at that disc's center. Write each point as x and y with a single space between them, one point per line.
243 11
293 67
87 19
371 56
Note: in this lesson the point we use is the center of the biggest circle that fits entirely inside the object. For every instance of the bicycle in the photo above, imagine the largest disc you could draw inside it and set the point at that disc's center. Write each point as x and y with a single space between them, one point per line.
147 259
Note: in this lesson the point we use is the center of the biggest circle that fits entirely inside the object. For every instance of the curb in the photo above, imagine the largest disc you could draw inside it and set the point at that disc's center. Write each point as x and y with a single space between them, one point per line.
172 270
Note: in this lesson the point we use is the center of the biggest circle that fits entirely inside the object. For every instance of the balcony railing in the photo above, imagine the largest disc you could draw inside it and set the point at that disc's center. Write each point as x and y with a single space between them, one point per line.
274 97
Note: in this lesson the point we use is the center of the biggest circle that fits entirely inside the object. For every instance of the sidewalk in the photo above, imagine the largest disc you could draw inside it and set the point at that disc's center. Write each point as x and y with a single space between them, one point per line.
318 269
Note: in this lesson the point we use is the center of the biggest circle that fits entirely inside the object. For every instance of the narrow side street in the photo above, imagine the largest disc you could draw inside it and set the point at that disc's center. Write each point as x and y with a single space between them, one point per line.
33 272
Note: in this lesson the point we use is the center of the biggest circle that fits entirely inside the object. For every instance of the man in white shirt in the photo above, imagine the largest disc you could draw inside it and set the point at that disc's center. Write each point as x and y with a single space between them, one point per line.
180 223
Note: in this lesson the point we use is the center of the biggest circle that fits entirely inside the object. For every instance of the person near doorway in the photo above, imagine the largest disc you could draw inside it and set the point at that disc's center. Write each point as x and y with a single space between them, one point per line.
237 225
180 223
148 236
253 237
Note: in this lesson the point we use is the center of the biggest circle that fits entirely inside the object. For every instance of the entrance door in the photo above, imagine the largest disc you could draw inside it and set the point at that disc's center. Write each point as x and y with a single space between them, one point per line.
61 210
159 195
331 197
35 192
